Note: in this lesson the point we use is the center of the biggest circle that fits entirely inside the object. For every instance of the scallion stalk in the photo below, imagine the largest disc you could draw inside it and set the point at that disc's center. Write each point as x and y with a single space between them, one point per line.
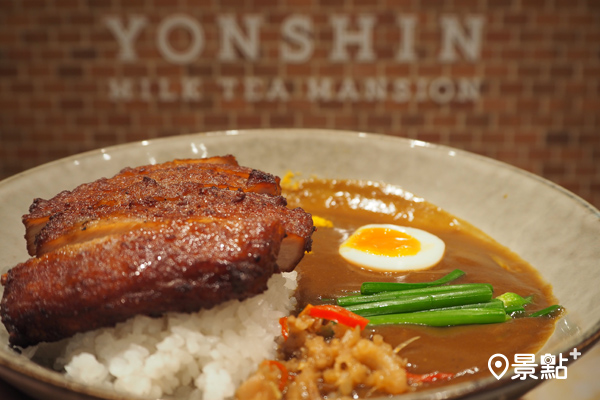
410 303
443 317
547 311
383 296
492 304
376 287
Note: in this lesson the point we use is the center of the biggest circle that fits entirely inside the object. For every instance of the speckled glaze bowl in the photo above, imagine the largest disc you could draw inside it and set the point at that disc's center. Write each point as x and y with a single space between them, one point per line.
551 228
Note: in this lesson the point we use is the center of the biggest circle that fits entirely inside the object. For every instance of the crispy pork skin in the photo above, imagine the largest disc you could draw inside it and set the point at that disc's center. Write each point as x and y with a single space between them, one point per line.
181 265
178 236
152 201
221 172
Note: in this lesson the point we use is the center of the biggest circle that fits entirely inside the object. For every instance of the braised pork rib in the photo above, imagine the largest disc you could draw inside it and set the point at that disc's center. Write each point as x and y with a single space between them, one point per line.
178 236
221 172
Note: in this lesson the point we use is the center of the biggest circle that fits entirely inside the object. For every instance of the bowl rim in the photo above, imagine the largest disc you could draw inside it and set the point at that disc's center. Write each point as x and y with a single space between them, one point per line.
360 135
55 379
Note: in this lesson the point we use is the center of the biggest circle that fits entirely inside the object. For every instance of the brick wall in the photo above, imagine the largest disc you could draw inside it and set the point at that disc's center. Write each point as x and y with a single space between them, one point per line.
517 81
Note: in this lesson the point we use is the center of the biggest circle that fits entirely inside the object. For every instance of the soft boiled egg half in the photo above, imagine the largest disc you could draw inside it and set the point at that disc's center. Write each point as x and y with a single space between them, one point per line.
392 248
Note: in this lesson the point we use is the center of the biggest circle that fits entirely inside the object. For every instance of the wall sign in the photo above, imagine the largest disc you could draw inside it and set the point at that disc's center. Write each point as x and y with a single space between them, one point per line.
461 39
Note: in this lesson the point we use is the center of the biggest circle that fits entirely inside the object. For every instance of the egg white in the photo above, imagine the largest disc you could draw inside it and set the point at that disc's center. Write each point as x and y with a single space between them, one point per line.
431 252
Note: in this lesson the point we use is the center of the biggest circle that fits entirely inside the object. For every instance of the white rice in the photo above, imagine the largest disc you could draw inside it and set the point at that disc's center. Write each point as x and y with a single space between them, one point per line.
205 355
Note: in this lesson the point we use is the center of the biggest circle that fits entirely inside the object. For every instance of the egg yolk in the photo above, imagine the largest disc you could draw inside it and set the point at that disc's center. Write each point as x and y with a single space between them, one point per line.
384 242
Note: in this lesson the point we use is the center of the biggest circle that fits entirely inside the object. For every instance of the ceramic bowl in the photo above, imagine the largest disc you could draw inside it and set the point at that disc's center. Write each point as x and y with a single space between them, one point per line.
549 227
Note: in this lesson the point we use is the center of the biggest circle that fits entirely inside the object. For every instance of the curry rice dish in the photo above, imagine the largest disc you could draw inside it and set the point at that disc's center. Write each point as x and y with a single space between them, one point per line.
267 344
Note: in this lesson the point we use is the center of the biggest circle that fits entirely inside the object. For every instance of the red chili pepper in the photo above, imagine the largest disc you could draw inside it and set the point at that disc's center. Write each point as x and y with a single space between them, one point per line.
337 314
426 378
284 372
285 331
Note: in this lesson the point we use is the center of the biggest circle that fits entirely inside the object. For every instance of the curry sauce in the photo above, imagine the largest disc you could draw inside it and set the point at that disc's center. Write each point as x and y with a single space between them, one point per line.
464 350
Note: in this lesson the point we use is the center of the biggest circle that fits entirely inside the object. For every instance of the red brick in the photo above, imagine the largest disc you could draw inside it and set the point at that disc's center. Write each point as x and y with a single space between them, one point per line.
67 3
130 70
71 104
581 19
185 120
314 120
495 105
302 3
589 105
201 70
234 105
33 4
8 71
541 120
557 138
400 69
118 120
477 120
70 71
554 168
543 88
87 120
360 70
497 70
444 120
430 70
546 54
529 105
138 106
514 53
151 120
298 70
84 53
512 88
346 121
39 104
103 71
380 121
216 120
99 3
551 19
412 120
464 70
22 87
264 70
277 120
393 106
528 35
518 19
36 36
591 71
566 36
247 121
498 36
530 71
52 54
527 138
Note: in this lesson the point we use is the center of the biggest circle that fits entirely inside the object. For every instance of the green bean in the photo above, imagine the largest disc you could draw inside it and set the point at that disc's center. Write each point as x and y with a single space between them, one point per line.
476 294
443 317
383 296
376 287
